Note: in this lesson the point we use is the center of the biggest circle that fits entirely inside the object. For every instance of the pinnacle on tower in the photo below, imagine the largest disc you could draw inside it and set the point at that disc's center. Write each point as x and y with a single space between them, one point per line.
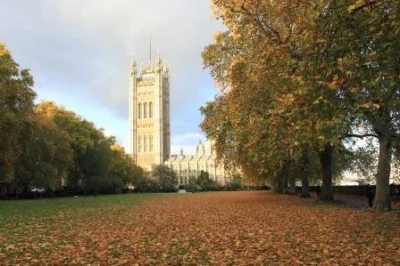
133 66
158 59
133 62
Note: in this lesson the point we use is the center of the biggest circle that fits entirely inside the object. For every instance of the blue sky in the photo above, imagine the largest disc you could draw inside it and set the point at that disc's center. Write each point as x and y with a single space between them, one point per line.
79 54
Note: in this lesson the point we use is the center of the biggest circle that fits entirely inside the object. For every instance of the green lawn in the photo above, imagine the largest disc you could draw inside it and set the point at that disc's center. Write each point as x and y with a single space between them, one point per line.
22 210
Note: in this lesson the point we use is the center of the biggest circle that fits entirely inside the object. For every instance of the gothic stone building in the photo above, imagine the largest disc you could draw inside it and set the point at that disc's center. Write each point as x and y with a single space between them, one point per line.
188 166
149 126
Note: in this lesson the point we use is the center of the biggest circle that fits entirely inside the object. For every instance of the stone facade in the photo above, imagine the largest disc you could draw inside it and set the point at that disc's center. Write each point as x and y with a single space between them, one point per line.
189 166
149 126
149 118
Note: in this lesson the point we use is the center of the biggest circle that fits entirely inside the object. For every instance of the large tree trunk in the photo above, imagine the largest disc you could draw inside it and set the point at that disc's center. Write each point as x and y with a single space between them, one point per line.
382 194
291 178
279 182
305 187
285 179
325 158
283 184
292 186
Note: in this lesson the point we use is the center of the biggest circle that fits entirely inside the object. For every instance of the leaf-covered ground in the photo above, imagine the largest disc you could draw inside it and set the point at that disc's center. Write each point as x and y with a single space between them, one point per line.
226 228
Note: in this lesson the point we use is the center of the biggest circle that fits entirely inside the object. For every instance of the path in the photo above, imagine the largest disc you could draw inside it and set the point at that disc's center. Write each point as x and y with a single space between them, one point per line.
355 201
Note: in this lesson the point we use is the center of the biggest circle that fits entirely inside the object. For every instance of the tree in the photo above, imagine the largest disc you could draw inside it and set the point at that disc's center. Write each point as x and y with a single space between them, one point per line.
166 177
204 181
99 164
16 111
45 158
123 168
236 182
268 100
46 146
362 43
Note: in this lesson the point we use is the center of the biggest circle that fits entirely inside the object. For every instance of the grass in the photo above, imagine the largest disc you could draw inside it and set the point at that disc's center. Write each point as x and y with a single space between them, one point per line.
30 229
238 228
22 210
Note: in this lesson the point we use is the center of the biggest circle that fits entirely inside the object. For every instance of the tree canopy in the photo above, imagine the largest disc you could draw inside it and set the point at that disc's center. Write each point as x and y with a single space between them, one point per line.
46 147
297 78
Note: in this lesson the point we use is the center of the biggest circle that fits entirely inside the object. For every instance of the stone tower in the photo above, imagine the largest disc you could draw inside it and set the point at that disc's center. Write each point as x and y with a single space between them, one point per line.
149 123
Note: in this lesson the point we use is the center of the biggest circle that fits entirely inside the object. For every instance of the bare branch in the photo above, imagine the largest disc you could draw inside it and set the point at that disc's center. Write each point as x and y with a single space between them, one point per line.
359 136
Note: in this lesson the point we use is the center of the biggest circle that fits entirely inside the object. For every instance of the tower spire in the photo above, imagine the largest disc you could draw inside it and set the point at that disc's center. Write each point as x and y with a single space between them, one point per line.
150 47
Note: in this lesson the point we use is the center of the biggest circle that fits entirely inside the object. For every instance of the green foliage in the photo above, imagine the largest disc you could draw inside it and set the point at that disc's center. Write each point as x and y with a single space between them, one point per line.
204 182
145 184
49 148
99 164
235 183
16 111
192 186
297 77
165 177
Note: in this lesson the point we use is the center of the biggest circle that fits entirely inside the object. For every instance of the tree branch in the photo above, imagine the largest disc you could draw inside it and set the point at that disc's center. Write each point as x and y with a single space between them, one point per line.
367 4
268 30
359 136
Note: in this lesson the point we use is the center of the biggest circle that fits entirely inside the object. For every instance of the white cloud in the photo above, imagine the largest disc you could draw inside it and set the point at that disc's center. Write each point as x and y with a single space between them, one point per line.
83 48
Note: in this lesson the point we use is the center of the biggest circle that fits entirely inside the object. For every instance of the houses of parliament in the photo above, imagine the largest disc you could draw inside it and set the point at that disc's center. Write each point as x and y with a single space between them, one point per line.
149 126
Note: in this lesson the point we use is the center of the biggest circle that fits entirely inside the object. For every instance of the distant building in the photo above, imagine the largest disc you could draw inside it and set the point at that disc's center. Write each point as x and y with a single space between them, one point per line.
187 166
149 126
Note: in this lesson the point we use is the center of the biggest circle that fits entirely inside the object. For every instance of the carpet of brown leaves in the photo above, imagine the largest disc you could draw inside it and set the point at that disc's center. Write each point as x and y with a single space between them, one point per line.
240 228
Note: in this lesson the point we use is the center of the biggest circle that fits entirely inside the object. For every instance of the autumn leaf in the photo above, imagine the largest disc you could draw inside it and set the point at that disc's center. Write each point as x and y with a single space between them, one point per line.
244 227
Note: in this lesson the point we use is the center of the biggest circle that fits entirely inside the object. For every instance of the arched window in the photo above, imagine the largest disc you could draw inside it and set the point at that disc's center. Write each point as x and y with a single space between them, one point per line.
151 143
150 110
139 111
140 144
145 110
145 143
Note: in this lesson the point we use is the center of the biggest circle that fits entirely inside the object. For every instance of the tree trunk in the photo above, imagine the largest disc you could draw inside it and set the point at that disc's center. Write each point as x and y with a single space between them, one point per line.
279 182
325 158
305 187
285 179
291 178
382 194
292 188
3 191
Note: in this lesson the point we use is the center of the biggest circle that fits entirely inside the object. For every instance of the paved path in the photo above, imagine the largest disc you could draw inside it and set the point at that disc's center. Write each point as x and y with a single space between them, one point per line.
353 201
356 201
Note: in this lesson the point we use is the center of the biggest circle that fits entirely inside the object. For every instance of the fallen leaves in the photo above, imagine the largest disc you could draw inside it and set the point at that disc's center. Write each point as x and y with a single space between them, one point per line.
207 228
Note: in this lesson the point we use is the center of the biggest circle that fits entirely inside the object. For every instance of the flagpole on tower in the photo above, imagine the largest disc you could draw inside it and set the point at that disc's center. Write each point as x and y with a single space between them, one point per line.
150 47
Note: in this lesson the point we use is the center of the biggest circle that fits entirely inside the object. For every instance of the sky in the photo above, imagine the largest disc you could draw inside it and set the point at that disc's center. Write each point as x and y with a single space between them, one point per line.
79 53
